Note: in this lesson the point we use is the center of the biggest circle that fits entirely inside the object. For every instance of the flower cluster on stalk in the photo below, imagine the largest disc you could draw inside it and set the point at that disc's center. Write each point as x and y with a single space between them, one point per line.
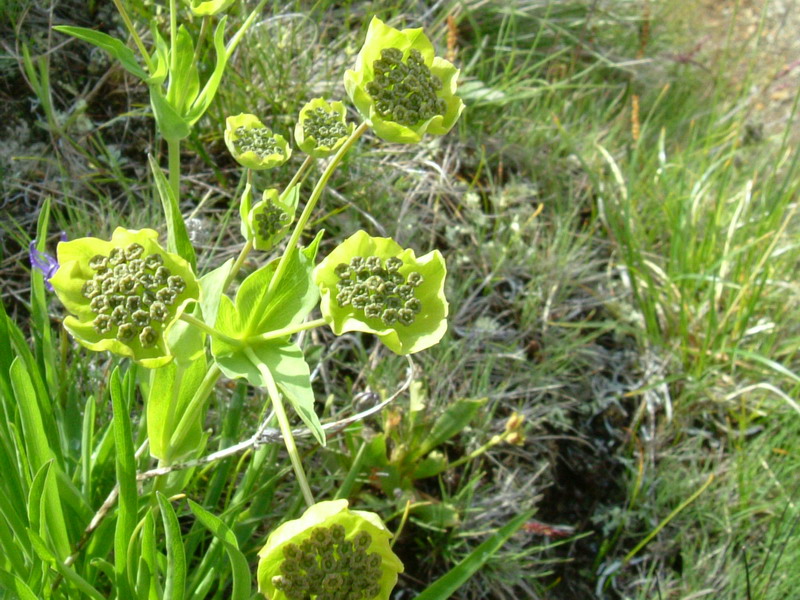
330 553
124 293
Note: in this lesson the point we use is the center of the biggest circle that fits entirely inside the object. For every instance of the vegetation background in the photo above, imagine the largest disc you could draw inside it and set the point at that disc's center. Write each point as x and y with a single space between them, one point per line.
618 211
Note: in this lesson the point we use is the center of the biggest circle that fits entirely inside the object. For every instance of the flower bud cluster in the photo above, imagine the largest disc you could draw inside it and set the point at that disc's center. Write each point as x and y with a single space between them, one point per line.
326 566
405 92
325 127
131 294
259 140
270 221
379 289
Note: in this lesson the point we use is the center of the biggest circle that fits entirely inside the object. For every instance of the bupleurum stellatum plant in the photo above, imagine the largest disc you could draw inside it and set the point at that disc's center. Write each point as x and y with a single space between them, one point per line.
176 332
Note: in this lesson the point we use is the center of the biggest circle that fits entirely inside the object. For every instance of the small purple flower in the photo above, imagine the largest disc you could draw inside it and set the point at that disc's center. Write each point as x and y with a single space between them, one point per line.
47 264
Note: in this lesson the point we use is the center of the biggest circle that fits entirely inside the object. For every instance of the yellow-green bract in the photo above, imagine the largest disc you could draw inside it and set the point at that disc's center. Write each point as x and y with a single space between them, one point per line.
124 294
322 128
373 285
329 553
253 144
203 8
400 87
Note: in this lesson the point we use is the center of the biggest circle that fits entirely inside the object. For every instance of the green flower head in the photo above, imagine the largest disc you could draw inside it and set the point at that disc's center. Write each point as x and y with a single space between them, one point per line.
373 285
270 218
330 553
253 144
204 8
322 128
124 294
400 87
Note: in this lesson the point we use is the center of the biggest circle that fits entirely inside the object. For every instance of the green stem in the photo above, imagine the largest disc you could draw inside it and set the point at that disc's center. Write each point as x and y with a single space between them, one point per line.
201 38
286 331
136 39
237 37
197 401
238 264
174 157
285 427
211 331
309 208
173 39
306 164
476 453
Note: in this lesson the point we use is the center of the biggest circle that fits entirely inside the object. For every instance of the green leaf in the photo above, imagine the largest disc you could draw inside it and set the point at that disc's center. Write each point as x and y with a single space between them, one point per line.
444 587
175 585
177 237
147 587
239 566
212 286
160 57
245 204
171 389
204 99
170 123
68 573
287 366
184 82
292 300
15 586
38 448
126 477
437 515
112 45
431 465
453 420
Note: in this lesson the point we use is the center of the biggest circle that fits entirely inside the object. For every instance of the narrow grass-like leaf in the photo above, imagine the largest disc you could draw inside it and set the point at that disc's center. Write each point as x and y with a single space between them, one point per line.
126 478
175 585
35 436
68 573
444 587
177 237
454 419
239 567
112 45
15 586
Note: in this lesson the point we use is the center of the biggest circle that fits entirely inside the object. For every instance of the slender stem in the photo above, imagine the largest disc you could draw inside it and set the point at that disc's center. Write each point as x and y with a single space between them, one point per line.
173 38
198 399
248 191
306 164
309 208
210 330
238 264
286 331
174 157
237 37
136 39
201 38
286 428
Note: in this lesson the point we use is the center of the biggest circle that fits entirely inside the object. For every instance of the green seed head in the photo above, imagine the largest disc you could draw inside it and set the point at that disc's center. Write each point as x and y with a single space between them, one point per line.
255 139
405 92
378 288
325 127
130 295
311 570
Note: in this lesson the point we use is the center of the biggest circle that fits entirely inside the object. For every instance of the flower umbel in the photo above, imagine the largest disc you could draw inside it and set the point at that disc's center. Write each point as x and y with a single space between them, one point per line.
124 293
269 219
373 285
205 8
322 128
253 145
330 553
400 87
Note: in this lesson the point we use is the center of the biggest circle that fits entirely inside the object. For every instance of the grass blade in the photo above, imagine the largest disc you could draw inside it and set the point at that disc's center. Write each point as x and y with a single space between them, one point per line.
445 586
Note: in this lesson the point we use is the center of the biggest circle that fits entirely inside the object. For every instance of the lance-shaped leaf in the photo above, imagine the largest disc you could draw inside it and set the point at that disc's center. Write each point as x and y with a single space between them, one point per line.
110 44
